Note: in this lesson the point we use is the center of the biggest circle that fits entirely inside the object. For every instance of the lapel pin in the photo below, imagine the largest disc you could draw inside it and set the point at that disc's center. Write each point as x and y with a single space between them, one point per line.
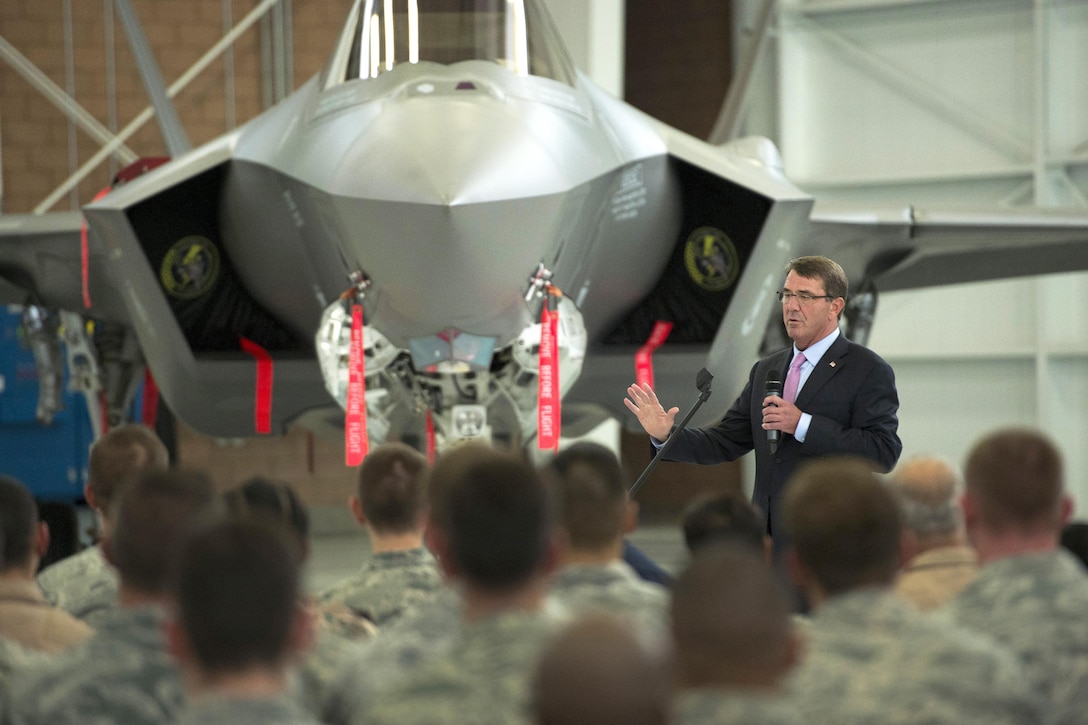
832 363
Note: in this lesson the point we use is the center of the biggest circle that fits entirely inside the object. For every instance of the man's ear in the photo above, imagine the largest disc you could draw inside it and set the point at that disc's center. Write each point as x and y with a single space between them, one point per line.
554 551
969 505
88 493
797 572
356 507
440 546
630 517
177 643
41 539
303 632
908 547
1066 510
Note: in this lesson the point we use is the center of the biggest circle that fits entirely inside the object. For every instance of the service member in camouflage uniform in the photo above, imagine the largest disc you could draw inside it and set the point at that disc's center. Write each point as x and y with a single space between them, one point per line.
593 512
870 656
85 585
493 532
943 564
123 674
240 624
390 504
276 503
597 670
1030 595
734 639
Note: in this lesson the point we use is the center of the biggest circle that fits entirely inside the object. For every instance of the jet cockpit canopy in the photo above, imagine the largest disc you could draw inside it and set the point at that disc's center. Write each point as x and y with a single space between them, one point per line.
516 34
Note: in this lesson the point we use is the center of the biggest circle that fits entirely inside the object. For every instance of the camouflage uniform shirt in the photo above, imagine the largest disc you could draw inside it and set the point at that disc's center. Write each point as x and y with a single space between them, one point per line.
873 658
84 585
122 674
425 632
1037 606
482 679
699 706
390 583
15 658
223 710
613 587
320 669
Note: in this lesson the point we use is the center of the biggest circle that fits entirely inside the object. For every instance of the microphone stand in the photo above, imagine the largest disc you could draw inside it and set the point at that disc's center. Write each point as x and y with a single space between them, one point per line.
702 382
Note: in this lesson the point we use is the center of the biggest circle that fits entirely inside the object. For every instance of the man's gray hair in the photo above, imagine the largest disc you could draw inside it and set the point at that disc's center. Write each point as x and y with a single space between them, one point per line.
928 489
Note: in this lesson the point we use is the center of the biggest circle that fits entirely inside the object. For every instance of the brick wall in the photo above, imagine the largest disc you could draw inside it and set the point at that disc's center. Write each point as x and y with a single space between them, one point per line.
678 60
34 134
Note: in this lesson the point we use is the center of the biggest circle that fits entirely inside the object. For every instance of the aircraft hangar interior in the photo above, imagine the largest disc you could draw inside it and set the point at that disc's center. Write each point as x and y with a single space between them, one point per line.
912 118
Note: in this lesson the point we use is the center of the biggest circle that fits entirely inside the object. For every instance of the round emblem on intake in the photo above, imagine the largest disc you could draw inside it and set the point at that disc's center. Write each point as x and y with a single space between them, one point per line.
190 268
711 259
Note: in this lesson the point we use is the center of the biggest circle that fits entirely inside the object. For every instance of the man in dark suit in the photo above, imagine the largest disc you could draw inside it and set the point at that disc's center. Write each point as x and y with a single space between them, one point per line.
839 397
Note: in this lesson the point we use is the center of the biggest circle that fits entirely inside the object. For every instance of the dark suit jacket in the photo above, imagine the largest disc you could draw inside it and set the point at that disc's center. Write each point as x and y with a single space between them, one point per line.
852 399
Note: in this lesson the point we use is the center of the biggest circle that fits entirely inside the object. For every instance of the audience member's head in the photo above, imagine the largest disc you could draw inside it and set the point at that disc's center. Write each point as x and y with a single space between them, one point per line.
149 520
64 536
845 526
118 457
928 490
731 621
236 586
597 671
727 517
1075 540
492 524
391 493
589 492
1015 486
25 538
273 502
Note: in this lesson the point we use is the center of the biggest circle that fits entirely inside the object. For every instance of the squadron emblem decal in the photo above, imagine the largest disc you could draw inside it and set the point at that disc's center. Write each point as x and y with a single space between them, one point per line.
711 259
190 268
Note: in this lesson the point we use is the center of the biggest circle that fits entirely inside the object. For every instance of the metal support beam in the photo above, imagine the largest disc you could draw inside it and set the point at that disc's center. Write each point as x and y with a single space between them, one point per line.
177 142
731 116
1044 195
918 91
228 69
148 113
62 101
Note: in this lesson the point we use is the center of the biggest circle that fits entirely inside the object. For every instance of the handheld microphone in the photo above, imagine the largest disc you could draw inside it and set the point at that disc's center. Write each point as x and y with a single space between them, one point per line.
774 387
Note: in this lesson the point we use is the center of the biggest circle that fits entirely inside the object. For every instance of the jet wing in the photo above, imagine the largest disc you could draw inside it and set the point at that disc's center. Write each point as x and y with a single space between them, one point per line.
924 247
42 262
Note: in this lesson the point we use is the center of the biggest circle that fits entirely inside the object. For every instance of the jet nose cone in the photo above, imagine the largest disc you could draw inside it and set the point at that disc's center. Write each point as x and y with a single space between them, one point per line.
459 146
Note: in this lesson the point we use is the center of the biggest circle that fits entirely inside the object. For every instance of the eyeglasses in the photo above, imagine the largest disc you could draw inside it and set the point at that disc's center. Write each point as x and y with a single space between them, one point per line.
803 298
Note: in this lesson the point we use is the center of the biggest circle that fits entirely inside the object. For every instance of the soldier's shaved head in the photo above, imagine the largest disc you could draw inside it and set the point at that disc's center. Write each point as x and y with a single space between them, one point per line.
845 524
391 488
1015 476
730 620
120 456
597 671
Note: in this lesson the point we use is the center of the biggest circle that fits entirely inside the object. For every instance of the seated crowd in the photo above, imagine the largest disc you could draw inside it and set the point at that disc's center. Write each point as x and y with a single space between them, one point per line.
497 592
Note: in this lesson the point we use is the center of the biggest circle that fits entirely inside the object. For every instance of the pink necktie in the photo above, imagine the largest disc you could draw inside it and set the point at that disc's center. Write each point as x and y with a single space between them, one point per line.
793 378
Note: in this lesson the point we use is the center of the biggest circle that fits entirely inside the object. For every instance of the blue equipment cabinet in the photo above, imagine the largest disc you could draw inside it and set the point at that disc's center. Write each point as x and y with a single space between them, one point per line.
50 459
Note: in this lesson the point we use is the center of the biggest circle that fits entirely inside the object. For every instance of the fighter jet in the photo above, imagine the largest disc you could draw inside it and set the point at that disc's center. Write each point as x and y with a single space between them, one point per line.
490 231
